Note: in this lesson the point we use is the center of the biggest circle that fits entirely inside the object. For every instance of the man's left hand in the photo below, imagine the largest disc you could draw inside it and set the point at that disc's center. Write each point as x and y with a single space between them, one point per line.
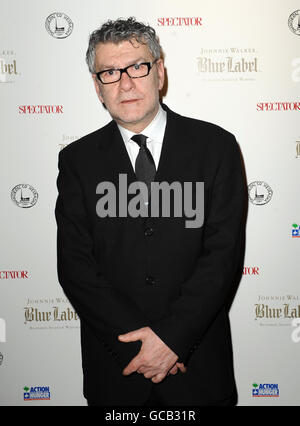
154 359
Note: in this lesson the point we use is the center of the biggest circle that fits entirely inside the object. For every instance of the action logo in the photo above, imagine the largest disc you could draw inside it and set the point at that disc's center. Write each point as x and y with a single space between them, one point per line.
265 390
36 393
59 25
295 230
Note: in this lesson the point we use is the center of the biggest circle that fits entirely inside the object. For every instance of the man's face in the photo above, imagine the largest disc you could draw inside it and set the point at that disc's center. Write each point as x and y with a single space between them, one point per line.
132 103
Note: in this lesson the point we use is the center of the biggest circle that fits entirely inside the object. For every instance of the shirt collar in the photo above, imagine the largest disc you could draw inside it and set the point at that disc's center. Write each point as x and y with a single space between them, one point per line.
154 131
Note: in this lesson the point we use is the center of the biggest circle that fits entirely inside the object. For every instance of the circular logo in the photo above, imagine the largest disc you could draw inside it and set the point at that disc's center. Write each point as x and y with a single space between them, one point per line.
59 25
259 193
24 195
294 22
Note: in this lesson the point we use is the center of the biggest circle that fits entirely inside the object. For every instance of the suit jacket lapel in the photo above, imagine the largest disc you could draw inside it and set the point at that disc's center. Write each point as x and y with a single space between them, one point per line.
171 159
172 154
117 159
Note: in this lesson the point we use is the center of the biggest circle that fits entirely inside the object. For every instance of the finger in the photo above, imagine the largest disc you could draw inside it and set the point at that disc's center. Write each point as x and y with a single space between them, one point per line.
149 375
181 367
132 336
173 370
158 378
151 372
142 369
134 365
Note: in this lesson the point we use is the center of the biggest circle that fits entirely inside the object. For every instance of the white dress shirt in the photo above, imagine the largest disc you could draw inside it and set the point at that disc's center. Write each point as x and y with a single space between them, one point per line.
155 132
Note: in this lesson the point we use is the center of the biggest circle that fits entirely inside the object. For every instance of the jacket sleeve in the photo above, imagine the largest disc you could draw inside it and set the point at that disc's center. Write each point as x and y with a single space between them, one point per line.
206 291
107 312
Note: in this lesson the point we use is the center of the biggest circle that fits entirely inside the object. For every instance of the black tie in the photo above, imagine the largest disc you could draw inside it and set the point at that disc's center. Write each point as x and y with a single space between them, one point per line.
144 165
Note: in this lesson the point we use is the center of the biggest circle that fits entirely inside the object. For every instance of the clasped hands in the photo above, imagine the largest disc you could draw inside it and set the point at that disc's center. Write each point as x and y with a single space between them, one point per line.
155 359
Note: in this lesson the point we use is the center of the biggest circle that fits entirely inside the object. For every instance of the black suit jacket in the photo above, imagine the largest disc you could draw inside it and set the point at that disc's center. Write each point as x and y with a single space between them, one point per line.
174 279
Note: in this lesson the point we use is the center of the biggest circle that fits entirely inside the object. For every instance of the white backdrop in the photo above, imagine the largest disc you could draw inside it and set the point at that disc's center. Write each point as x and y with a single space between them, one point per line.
242 60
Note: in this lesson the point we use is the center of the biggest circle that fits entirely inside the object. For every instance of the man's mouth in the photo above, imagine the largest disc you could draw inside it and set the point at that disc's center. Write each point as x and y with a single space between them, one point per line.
129 101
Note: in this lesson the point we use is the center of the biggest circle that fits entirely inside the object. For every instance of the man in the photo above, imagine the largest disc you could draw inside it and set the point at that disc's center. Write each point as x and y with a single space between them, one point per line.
152 294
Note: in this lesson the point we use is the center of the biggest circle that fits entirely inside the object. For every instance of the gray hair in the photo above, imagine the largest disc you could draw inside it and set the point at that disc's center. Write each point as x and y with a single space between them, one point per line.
122 30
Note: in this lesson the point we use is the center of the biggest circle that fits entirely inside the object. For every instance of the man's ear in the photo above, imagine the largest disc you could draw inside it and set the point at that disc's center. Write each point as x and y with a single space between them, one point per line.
97 88
161 73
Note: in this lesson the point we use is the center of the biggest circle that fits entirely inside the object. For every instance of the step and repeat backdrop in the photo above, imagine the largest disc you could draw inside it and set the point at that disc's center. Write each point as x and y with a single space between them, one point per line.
233 63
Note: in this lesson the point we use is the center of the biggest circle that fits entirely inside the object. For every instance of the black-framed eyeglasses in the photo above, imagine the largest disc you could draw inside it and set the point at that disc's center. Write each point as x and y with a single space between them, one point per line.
113 75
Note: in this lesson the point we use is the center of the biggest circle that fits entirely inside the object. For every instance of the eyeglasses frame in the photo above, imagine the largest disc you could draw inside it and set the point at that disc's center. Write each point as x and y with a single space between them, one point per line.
122 70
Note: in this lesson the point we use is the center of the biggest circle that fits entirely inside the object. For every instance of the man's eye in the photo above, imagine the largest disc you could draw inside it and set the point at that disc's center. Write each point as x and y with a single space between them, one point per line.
108 73
136 66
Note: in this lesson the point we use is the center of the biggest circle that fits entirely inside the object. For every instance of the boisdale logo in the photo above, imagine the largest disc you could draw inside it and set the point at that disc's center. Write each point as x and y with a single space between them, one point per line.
59 25
259 193
228 64
295 230
278 106
8 66
36 393
180 22
265 390
40 109
294 22
24 195
57 315
13 275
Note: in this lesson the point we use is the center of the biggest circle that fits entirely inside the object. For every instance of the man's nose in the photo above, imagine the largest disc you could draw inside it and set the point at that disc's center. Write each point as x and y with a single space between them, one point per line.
126 83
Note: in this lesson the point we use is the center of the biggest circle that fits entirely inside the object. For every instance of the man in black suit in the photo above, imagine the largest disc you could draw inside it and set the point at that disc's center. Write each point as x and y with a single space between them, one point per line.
152 293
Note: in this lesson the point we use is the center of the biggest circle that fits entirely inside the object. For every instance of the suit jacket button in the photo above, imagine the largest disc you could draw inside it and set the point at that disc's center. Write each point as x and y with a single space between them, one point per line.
148 232
150 280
